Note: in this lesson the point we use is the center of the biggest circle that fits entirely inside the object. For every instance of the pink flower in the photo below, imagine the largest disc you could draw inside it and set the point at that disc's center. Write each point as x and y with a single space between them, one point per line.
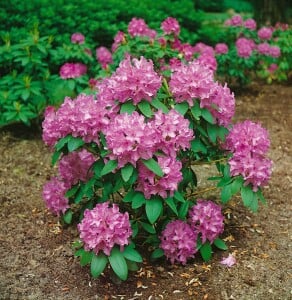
54 196
75 166
138 27
130 138
250 24
72 70
170 26
221 104
208 60
246 137
188 51
191 81
274 51
149 184
202 48
272 68
104 57
83 117
221 48
134 80
104 227
265 33
77 38
118 40
228 261
244 47
254 168
206 219
264 48
178 241
235 21
172 131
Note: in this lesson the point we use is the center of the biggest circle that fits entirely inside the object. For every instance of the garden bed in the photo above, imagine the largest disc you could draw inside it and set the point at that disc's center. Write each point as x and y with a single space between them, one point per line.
37 259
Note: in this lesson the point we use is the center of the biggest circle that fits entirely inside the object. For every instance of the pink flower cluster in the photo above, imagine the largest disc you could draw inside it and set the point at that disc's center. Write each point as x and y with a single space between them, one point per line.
77 38
104 227
265 33
235 21
72 70
54 196
206 220
104 57
249 143
118 40
75 166
165 186
266 49
130 138
134 79
170 26
83 117
244 47
178 241
221 104
221 48
138 27
179 238
250 24
191 81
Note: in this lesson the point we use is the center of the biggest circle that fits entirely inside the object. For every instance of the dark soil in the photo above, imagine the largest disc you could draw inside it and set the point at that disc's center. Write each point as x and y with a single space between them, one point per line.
37 259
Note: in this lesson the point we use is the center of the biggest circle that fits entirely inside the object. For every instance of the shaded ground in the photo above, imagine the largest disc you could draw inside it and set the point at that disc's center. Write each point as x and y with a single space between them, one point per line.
36 259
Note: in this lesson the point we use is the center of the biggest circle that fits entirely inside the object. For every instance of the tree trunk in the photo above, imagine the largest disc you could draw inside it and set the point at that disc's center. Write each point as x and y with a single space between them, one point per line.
269 12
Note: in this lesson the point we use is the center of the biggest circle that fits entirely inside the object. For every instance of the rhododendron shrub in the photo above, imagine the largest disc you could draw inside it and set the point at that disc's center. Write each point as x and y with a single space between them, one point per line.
252 51
127 153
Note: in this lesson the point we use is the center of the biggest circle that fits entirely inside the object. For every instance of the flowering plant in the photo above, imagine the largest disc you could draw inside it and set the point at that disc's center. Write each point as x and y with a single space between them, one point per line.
253 52
128 153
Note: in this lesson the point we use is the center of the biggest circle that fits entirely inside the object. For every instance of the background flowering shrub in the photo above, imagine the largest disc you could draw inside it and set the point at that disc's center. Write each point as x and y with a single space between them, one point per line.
128 151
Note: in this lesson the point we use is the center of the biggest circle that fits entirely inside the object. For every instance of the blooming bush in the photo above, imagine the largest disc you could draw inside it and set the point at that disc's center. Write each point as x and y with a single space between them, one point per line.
128 153
254 53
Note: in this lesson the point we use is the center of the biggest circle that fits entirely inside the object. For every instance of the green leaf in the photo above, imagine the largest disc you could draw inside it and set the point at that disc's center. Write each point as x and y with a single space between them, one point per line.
182 108
85 258
132 254
25 94
68 216
207 115
206 251
153 209
147 227
183 210
222 132
212 132
127 172
55 157
75 143
220 244
135 229
254 205
157 253
198 146
127 107
226 193
62 142
159 105
261 196
132 266
129 197
170 202
145 108
236 185
118 263
72 191
138 200
71 84
196 110
98 264
179 197
247 195
109 167
153 166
